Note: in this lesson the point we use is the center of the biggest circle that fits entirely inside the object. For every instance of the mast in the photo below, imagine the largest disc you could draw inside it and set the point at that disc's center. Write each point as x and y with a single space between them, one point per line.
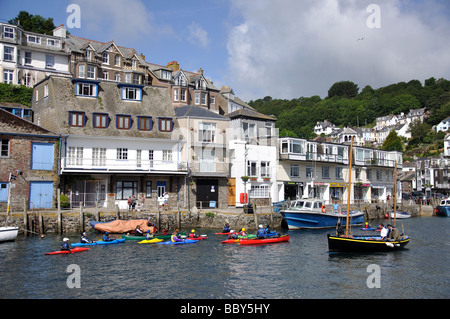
395 193
349 185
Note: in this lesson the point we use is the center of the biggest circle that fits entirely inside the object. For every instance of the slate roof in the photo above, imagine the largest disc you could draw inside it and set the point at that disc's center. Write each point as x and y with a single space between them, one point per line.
197 112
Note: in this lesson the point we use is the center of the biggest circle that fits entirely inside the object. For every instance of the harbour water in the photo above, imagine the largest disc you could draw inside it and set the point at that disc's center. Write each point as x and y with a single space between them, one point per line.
301 268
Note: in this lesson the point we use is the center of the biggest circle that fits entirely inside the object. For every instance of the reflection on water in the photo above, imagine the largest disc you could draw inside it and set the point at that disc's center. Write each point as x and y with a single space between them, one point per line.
300 268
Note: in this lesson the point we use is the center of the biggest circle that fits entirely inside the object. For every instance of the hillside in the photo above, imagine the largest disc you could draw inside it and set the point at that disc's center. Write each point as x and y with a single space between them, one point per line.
346 105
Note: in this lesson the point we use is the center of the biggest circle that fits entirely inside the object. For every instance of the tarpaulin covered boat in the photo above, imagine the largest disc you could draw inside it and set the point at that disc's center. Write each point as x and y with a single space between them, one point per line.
122 226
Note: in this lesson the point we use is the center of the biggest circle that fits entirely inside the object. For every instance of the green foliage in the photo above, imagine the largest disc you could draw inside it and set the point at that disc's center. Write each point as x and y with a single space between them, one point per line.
344 89
16 94
34 23
393 142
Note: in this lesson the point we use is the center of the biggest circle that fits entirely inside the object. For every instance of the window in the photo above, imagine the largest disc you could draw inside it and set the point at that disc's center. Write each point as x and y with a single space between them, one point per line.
3 192
212 100
249 130
122 153
124 189
49 61
166 75
86 89
53 43
148 189
8 54
98 156
204 98
131 93
150 158
138 158
8 32
4 148
100 120
259 191
117 60
144 123
379 175
197 98
309 172
165 124
167 155
88 54
183 95
269 126
28 57
251 168
117 77
34 39
46 90
123 122
207 132
338 171
369 174
136 79
325 172
76 118
28 80
175 94
105 57
295 170
133 63
81 71
265 169
128 78
75 156
8 76
90 72
105 75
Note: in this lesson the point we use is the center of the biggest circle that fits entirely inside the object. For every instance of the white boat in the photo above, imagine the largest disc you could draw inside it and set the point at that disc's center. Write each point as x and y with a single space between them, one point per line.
8 233
400 215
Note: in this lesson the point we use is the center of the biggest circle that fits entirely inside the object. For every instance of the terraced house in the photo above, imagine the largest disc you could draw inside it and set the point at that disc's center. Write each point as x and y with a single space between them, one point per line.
116 140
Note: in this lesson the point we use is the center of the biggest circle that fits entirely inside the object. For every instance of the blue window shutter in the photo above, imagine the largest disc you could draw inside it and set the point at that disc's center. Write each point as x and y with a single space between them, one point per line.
159 124
139 121
70 118
117 121
84 119
171 125
3 192
129 122
42 155
151 123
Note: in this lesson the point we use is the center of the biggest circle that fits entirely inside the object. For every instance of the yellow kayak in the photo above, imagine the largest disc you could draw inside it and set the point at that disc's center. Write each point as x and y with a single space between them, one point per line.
150 241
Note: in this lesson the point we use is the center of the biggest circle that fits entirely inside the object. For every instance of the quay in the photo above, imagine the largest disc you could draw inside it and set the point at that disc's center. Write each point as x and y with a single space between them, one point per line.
45 221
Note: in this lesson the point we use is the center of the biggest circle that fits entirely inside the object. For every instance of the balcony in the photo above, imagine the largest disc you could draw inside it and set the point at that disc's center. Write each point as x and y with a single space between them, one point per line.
131 166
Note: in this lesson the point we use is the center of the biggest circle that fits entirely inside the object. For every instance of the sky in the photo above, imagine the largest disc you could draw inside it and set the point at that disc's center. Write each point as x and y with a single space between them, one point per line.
280 48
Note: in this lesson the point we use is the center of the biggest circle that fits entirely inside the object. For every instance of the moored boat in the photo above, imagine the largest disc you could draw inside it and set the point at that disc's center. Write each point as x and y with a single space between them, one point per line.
312 213
263 241
8 234
123 226
443 209
400 215
364 244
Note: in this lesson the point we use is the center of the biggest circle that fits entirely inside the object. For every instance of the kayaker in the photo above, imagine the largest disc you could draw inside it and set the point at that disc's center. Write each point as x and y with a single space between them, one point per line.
148 234
261 232
192 235
226 228
242 232
174 238
106 237
85 240
233 235
165 232
138 231
65 244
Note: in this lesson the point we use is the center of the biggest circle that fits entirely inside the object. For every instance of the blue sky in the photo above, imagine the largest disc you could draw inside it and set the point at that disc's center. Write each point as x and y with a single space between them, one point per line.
284 48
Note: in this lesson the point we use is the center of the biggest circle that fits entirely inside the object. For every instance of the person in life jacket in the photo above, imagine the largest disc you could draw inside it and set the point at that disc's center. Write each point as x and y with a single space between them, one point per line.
174 238
226 228
192 235
85 240
65 244
106 237
242 232
148 234
164 231
233 235
138 231
261 232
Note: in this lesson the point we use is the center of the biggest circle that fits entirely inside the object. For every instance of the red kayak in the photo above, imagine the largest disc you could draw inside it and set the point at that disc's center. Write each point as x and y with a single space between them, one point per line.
73 250
221 233
198 238
263 241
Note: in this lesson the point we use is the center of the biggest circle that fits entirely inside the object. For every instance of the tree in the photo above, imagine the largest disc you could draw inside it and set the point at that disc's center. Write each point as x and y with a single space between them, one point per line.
34 23
393 142
344 89
418 130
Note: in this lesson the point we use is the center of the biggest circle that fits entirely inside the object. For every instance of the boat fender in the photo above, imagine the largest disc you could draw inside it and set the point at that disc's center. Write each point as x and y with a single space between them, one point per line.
324 209
390 245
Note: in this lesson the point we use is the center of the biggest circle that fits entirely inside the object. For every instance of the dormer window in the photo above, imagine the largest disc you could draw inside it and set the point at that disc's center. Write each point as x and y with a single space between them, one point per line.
88 54
117 60
166 75
86 88
133 63
8 32
130 91
34 39
105 57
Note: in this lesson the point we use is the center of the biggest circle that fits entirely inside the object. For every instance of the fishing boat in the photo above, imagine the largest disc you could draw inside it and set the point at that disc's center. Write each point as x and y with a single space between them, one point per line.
443 209
313 213
400 215
8 233
352 243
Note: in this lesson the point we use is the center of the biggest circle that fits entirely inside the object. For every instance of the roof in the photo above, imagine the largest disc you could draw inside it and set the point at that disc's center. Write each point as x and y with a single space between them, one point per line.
197 112
11 124
250 113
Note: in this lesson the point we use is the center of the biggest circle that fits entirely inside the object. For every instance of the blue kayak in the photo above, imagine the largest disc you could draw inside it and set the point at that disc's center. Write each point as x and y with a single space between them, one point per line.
186 241
100 242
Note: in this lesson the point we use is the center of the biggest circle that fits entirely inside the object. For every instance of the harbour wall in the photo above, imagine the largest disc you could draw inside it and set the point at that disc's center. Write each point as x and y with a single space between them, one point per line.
69 221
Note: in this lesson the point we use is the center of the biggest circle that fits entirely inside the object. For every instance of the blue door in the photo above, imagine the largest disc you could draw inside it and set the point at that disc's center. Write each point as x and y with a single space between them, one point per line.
41 195
42 156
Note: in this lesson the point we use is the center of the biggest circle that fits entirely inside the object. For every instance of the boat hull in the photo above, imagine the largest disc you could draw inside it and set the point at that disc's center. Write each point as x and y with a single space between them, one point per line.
8 234
301 220
270 240
364 244
443 211
400 215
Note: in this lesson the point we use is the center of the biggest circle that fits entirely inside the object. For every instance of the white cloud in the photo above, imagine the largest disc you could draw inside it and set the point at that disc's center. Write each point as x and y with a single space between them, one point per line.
198 35
291 48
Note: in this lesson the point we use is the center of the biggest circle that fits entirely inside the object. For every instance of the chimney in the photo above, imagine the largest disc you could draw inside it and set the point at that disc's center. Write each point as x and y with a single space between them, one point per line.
60 31
200 71
174 65
143 57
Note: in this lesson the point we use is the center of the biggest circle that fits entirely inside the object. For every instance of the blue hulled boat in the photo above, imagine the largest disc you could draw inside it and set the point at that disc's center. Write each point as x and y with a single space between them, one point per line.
443 209
312 213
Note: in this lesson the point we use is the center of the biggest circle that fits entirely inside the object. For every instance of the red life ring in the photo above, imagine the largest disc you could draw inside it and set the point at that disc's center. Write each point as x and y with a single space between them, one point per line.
324 209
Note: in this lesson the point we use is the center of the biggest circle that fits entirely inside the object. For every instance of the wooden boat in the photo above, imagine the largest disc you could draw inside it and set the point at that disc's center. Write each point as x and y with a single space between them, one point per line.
270 240
8 234
400 215
349 243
